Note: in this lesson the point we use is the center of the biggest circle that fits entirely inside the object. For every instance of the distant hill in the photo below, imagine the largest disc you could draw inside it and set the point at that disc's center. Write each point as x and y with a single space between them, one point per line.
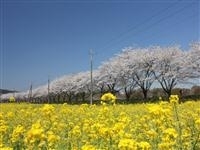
4 91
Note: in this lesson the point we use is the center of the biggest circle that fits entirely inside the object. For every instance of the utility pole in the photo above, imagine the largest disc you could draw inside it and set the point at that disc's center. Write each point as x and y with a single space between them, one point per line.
91 77
30 93
1 94
48 90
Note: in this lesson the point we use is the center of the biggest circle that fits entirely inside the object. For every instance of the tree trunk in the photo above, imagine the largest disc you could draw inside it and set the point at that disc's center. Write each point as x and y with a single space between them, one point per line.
128 94
169 93
145 92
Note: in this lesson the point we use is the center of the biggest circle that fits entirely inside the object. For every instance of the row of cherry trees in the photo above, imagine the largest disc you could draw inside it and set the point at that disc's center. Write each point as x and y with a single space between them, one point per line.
131 69
141 67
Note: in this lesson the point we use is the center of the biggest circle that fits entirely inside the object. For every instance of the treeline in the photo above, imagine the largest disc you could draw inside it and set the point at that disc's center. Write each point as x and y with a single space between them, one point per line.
155 95
133 70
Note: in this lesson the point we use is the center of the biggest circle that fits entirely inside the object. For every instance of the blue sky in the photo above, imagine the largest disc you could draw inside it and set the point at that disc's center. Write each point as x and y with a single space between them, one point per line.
52 38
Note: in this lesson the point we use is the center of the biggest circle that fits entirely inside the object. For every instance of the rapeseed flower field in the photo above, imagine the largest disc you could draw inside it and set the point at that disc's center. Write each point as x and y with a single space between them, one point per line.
160 126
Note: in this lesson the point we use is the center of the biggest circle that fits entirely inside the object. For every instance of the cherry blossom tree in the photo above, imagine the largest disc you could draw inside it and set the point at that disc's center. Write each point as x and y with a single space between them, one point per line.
72 85
126 82
169 68
64 87
193 60
131 68
82 85
139 64
108 72
99 84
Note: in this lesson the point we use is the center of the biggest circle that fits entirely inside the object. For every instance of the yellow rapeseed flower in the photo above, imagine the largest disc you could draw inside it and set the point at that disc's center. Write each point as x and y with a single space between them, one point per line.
123 127
155 110
88 147
6 148
174 99
47 109
108 97
35 134
76 131
170 135
17 134
197 123
127 144
52 138
12 99
144 145
3 127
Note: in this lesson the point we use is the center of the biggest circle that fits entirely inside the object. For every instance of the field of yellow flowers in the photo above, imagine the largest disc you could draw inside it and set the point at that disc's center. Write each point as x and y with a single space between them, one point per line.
161 126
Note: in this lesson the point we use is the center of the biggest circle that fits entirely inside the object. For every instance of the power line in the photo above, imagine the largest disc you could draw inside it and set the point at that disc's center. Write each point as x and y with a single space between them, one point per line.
90 1
149 26
157 22
188 17
139 24
130 29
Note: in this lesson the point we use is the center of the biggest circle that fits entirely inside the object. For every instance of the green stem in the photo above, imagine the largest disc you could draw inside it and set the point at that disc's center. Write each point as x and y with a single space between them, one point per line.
178 126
